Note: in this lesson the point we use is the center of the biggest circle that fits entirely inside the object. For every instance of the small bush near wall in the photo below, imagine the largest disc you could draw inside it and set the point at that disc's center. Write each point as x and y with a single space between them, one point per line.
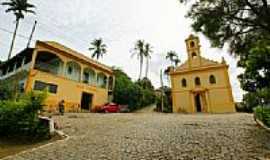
20 118
263 114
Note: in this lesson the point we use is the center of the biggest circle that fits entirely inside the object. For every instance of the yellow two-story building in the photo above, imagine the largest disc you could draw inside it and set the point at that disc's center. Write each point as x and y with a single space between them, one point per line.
200 84
66 74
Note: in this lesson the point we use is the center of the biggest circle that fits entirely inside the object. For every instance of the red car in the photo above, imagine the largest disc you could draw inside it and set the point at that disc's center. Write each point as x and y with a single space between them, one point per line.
110 108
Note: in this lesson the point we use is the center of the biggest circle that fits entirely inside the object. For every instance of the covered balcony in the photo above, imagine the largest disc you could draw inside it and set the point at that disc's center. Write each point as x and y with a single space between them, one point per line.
102 80
89 76
49 62
18 63
111 83
73 71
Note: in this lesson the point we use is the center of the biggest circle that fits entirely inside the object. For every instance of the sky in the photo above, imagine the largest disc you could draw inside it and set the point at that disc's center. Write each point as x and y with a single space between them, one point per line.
120 23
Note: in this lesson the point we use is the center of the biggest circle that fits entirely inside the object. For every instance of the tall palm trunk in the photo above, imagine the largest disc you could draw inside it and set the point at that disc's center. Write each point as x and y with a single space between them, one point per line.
13 38
162 90
141 66
147 68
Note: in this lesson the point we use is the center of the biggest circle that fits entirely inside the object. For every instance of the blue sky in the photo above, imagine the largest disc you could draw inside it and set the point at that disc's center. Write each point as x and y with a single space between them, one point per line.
120 23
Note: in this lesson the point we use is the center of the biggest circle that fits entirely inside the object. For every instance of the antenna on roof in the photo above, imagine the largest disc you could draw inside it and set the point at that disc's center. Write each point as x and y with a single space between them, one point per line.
31 35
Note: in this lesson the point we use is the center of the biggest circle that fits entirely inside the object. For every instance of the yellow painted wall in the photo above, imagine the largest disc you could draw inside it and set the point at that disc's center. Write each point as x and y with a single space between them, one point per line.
220 94
68 90
217 98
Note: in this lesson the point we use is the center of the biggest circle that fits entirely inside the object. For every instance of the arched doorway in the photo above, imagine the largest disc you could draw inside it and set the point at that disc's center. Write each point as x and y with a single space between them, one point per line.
198 103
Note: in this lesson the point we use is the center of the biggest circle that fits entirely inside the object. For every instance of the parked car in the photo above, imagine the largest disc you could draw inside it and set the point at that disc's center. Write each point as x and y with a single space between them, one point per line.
110 108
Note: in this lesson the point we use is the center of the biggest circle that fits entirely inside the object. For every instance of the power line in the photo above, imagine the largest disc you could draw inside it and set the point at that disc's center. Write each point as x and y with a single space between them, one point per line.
11 32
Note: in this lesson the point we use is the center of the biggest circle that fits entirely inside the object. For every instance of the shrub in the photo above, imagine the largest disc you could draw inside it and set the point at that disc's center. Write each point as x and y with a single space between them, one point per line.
20 118
166 102
135 95
263 114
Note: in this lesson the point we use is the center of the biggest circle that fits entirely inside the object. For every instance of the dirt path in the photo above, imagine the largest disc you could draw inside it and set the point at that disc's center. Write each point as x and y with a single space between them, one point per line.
149 109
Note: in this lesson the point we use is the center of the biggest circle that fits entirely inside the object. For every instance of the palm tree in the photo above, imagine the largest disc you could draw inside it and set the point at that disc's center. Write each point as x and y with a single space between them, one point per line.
171 56
147 54
19 8
98 48
176 61
140 52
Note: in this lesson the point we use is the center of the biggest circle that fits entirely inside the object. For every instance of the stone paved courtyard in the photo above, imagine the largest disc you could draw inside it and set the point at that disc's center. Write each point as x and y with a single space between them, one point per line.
155 136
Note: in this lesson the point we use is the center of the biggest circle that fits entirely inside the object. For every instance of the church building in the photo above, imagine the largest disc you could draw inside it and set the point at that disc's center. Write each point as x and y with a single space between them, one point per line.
200 84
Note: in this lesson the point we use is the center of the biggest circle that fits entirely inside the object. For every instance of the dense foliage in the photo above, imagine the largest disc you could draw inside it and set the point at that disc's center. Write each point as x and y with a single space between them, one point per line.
135 95
245 26
20 118
263 114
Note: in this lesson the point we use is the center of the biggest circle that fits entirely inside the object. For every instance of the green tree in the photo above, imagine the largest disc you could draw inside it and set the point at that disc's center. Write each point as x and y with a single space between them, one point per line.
176 61
145 83
147 54
244 25
125 91
140 52
171 55
98 48
135 95
237 22
148 92
167 73
19 9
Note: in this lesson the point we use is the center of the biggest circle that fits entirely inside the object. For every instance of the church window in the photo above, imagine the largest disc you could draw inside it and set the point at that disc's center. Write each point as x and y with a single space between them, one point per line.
192 44
212 79
197 81
194 55
184 82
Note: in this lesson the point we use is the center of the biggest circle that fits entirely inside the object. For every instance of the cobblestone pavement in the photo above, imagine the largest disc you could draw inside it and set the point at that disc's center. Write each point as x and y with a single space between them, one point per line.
156 136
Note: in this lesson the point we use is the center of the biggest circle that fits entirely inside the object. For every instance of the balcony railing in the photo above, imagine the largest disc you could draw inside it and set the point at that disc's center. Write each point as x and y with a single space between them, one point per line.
25 67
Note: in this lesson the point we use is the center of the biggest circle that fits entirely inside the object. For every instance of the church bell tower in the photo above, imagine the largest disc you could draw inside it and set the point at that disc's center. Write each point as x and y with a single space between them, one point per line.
193 50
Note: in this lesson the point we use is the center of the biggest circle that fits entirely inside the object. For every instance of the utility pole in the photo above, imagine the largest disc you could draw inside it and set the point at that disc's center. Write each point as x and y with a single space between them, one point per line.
31 35
162 91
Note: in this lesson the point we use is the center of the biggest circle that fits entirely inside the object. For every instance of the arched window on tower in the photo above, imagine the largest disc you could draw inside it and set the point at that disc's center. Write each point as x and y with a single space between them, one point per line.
194 55
192 44
184 82
212 79
197 81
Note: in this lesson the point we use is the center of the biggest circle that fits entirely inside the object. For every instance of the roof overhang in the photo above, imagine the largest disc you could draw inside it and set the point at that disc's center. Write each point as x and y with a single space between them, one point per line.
184 71
21 54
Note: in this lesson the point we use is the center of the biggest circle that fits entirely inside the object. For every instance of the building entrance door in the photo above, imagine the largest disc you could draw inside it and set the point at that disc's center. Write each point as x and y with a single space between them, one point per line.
198 103
86 101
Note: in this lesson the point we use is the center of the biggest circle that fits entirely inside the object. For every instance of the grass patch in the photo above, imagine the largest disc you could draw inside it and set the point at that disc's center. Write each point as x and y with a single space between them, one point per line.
263 114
